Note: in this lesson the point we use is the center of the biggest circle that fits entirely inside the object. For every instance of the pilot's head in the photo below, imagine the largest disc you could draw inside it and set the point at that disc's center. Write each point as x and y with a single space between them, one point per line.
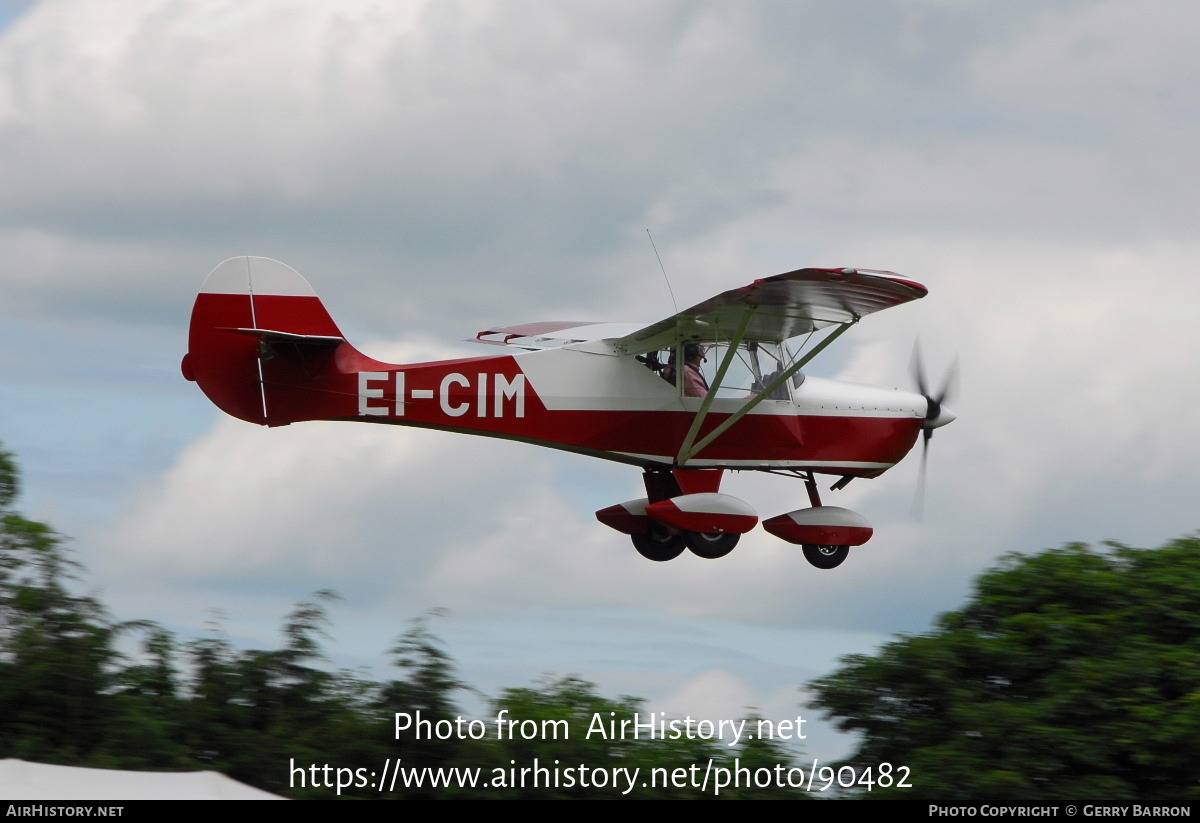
693 351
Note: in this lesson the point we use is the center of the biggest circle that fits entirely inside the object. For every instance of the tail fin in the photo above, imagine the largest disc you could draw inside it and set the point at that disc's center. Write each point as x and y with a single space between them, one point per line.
257 323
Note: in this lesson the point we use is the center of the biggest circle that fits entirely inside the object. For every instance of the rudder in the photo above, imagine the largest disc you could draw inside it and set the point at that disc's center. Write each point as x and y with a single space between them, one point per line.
246 311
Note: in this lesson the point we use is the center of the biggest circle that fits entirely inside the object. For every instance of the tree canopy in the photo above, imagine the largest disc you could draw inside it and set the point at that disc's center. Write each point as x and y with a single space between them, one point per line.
1069 675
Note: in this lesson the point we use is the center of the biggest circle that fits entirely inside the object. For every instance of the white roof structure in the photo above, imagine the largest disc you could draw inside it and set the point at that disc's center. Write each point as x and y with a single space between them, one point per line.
21 780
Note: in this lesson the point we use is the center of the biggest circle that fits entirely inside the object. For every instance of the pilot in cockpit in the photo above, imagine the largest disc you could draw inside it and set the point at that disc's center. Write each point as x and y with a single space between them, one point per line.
694 384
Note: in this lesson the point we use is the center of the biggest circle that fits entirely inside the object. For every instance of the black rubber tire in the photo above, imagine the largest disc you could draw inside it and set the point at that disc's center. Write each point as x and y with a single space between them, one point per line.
712 545
659 545
825 557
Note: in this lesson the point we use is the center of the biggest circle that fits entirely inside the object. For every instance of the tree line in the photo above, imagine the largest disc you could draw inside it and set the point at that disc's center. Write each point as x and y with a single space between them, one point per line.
1070 675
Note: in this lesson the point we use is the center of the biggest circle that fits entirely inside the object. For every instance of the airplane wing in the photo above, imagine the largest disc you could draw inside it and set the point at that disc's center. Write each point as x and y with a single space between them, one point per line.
784 306
550 334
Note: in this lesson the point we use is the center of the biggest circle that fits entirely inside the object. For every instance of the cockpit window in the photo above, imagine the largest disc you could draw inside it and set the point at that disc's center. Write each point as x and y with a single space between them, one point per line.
755 366
662 363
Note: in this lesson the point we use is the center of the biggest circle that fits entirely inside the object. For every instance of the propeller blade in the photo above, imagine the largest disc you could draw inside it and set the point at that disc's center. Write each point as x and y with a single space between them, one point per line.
918 506
916 367
948 391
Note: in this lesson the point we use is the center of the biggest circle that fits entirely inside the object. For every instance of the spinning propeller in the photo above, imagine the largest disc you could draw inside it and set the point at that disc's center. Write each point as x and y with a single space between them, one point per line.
936 416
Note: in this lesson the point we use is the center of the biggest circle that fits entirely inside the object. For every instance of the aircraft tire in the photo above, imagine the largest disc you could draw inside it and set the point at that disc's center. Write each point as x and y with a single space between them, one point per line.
825 557
711 546
659 545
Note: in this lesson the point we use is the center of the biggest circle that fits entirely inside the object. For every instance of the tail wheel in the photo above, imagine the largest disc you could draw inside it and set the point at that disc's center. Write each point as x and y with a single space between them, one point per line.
658 545
711 545
825 557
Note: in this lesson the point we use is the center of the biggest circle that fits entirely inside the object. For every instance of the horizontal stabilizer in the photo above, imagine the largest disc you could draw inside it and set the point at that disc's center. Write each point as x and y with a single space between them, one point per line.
311 352
273 336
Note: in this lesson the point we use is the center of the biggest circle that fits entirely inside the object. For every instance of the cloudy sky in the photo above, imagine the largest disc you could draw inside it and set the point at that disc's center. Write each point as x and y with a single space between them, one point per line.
434 168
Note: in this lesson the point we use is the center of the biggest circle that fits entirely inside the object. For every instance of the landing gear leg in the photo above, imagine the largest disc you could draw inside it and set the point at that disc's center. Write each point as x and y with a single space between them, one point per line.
810 483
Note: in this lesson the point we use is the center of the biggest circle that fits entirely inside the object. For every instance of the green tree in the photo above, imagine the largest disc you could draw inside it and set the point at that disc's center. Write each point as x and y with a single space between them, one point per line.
760 757
253 713
1069 675
144 712
56 652
554 723
426 694
564 721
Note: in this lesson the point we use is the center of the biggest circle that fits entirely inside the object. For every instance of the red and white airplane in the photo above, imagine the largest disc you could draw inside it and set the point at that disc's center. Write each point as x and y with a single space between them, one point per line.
717 386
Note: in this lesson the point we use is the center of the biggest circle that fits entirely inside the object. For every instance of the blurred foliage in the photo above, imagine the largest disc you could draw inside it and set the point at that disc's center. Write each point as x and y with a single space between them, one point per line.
275 718
1069 675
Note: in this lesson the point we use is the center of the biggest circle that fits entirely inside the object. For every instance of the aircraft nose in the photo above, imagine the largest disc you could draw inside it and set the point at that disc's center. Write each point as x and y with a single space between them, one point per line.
943 416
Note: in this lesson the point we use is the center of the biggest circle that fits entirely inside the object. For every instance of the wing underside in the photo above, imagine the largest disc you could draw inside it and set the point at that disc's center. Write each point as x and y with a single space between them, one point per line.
772 309
781 307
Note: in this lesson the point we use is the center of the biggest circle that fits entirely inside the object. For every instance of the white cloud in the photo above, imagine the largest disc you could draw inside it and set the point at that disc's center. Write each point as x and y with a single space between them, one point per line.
712 695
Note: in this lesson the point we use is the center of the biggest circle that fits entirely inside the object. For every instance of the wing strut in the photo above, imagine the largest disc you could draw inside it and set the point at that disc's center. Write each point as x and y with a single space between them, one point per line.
688 450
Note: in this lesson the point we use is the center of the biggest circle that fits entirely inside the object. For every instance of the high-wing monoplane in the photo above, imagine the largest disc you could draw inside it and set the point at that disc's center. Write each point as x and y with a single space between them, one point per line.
716 387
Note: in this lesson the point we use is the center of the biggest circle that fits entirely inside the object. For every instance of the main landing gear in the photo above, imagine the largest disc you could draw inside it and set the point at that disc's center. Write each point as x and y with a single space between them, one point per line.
683 509
660 545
